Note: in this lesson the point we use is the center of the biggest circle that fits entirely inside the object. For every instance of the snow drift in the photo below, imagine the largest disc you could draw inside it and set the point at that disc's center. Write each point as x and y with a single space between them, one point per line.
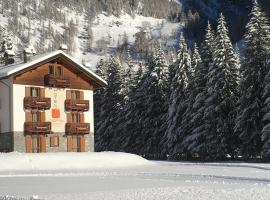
65 162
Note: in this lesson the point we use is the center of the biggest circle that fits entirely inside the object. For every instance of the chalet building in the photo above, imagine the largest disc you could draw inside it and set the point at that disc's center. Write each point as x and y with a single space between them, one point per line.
46 104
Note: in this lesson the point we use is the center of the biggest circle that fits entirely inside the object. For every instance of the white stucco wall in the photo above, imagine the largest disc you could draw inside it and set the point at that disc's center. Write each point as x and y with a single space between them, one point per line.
18 107
5 101
58 96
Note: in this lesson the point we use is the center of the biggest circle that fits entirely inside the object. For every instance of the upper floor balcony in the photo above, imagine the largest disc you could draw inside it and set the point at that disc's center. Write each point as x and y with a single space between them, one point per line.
52 80
77 105
37 127
40 103
82 128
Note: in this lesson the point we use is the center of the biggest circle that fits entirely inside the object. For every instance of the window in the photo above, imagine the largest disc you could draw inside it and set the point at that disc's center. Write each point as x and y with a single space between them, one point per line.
51 69
59 71
35 144
35 92
75 118
35 116
75 143
75 94
54 141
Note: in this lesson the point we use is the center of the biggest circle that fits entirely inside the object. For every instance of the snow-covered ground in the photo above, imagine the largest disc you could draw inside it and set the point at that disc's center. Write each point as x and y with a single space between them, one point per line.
117 178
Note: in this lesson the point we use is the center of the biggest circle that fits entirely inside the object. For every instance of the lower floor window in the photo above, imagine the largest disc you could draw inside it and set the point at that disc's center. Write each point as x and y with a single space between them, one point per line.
54 141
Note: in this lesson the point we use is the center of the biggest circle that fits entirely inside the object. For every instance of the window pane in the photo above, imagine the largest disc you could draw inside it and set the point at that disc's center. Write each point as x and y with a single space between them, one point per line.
51 71
59 71
35 92
74 143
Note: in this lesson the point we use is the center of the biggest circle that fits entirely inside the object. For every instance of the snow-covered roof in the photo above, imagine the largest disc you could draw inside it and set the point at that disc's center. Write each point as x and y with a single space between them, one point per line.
12 69
30 50
10 52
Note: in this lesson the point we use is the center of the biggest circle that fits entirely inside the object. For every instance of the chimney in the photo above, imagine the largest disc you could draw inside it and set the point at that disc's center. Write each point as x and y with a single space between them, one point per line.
63 47
28 53
9 57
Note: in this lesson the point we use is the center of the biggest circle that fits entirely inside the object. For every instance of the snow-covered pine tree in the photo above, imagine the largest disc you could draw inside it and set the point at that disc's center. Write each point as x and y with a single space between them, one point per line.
155 89
127 76
266 118
133 112
222 96
196 141
99 98
181 72
192 91
111 105
255 67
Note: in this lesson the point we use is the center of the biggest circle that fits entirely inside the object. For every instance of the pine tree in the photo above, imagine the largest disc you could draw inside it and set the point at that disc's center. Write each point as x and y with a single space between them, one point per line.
266 118
99 99
155 88
181 73
192 91
249 122
222 91
111 106
133 113
197 139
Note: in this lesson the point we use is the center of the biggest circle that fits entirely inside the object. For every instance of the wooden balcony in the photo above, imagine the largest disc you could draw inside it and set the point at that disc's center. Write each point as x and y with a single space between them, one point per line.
37 127
51 80
40 103
83 128
77 105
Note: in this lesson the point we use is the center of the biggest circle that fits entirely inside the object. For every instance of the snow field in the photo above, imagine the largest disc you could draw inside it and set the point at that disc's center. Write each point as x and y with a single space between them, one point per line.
52 162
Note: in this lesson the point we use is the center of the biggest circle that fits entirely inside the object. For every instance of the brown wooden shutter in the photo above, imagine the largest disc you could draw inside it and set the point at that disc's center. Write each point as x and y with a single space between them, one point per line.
68 94
81 117
42 92
28 144
82 143
43 116
28 116
81 95
27 91
69 117
42 140
69 143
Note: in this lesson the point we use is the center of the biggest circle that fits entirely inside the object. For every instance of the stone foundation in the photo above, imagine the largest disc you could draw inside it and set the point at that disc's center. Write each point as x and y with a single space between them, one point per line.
16 142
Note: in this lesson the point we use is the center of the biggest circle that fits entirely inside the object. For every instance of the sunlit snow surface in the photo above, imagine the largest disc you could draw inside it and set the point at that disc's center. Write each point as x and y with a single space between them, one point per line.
145 181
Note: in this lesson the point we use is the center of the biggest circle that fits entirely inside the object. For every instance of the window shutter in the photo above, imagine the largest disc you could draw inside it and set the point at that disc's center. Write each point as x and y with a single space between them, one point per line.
28 116
82 143
69 117
68 94
42 116
27 91
42 141
42 92
81 95
28 144
69 143
81 117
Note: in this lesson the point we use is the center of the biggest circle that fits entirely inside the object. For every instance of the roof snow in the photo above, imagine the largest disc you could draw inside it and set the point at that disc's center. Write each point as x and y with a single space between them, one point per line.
10 52
9 70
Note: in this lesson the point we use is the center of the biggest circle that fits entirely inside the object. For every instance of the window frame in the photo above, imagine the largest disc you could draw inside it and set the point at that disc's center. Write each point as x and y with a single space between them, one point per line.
54 141
35 89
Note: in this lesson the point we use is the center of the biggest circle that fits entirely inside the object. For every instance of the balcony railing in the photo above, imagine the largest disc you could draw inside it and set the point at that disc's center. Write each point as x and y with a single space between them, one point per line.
77 105
54 81
83 128
37 127
41 103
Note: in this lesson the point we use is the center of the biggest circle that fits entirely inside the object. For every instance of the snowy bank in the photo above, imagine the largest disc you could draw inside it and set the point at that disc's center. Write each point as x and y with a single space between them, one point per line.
68 162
